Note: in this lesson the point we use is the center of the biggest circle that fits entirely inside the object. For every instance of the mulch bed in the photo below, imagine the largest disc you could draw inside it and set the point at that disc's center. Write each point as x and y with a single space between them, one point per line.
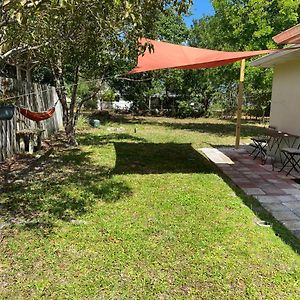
23 162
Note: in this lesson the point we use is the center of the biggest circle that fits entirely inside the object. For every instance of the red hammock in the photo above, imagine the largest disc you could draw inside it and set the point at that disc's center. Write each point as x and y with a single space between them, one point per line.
37 116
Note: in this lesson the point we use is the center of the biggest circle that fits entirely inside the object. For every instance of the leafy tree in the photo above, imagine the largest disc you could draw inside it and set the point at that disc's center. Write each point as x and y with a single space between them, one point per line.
169 27
87 39
244 25
236 25
166 84
12 13
251 24
138 90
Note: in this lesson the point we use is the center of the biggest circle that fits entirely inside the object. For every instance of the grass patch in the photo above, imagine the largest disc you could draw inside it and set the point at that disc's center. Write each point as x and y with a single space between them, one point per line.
138 213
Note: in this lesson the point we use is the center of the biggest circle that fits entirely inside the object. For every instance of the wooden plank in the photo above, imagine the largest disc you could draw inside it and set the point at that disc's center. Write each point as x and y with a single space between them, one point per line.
240 104
216 156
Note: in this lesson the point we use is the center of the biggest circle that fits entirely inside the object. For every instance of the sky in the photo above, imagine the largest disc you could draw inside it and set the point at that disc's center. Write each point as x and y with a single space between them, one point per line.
200 8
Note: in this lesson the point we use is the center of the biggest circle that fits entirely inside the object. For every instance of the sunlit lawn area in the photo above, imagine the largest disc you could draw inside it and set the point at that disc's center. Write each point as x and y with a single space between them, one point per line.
138 213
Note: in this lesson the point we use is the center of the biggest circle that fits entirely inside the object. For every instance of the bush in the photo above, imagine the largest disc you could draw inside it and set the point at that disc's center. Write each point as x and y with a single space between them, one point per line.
188 109
82 123
91 104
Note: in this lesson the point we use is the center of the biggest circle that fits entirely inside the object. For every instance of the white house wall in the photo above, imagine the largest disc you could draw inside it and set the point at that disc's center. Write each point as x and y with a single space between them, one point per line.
285 106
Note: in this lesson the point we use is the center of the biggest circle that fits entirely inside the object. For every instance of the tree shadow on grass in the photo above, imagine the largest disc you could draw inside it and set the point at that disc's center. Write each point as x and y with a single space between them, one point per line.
63 187
150 158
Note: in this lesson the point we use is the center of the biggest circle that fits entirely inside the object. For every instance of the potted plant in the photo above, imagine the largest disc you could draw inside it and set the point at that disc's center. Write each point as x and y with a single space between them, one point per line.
7 108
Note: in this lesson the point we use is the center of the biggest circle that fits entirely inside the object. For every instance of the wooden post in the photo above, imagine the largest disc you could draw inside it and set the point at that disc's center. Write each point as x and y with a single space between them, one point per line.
149 104
240 103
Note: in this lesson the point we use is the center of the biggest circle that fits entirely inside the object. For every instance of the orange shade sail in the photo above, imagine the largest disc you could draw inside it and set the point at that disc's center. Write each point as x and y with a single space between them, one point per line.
166 55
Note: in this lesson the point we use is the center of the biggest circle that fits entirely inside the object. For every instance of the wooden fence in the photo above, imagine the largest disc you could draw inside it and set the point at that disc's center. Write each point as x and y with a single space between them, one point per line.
35 97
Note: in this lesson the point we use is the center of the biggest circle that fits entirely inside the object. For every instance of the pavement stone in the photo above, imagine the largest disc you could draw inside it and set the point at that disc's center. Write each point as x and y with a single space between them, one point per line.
291 191
246 185
297 211
246 173
244 169
279 194
232 174
296 233
253 176
266 185
292 205
297 196
267 199
272 191
286 198
292 225
240 180
272 207
284 177
283 185
274 181
254 191
286 215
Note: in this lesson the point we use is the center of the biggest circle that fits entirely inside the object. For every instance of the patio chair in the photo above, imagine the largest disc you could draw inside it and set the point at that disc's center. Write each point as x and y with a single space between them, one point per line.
292 156
260 145
263 144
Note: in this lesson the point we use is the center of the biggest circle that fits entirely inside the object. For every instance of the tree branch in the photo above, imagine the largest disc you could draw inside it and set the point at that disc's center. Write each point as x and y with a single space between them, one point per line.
134 80
18 50
79 107
60 88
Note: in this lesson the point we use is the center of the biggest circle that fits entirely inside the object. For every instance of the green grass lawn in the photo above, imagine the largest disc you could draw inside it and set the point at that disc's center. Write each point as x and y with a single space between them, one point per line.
138 213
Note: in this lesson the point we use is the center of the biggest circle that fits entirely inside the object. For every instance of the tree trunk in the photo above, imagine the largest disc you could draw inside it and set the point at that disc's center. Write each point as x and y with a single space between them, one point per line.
71 112
263 114
19 72
71 134
206 105
68 116
149 104
28 75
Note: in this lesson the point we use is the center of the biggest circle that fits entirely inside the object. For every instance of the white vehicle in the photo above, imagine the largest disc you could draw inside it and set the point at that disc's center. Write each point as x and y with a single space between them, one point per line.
122 105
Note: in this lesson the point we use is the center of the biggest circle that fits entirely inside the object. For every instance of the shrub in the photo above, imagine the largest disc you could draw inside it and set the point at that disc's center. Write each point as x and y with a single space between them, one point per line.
186 109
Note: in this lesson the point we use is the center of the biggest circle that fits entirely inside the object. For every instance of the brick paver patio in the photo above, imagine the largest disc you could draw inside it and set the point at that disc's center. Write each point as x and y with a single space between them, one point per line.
277 193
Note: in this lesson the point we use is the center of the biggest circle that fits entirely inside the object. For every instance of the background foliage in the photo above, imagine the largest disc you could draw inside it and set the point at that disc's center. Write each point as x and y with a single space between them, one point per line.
237 25
73 41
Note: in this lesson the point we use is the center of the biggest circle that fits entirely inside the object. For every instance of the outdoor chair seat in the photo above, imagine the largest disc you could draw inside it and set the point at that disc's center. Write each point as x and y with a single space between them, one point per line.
294 151
292 156
260 144
261 139
263 144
